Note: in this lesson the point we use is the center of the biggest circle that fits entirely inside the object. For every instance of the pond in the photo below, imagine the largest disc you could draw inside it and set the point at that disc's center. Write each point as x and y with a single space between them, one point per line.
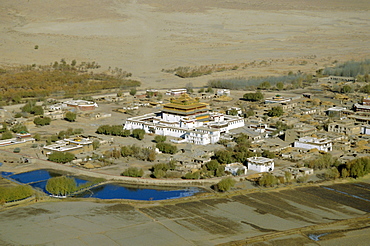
134 192
39 178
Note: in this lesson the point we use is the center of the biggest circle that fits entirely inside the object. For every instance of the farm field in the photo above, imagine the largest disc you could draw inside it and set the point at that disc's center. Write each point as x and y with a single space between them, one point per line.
322 215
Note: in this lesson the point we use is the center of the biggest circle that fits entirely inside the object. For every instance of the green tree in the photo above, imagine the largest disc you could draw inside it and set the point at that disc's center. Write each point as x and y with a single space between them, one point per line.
61 157
61 186
42 121
37 110
226 184
160 139
280 86
265 85
133 92
18 128
37 137
159 173
15 193
166 148
275 111
224 156
133 172
346 89
254 97
138 134
7 135
268 180
212 165
96 144
70 116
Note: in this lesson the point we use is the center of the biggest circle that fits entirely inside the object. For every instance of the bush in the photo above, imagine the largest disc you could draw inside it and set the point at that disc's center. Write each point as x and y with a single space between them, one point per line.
70 116
166 148
267 180
61 157
226 184
254 97
17 150
133 172
138 134
159 139
6 135
42 121
275 111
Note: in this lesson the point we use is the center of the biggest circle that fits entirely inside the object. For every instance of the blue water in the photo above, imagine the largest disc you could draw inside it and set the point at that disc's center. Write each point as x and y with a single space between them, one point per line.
38 179
120 191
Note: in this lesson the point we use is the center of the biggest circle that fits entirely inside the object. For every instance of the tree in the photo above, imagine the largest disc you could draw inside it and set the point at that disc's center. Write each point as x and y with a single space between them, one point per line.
212 165
226 184
37 110
280 86
224 156
159 173
42 121
254 97
61 186
275 111
346 89
70 116
61 157
37 137
288 176
18 128
96 144
7 135
265 85
166 148
133 92
138 134
268 180
133 172
160 139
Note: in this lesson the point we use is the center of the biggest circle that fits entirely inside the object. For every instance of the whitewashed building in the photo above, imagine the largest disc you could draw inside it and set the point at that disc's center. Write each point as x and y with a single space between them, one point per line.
187 118
234 168
322 144
260 164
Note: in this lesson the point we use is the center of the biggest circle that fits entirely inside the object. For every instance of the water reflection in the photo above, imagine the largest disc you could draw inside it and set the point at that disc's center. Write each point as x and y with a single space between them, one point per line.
38 179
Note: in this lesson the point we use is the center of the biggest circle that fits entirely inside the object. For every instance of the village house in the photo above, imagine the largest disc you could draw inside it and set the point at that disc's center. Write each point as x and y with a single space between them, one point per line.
260 164
236 168
321 144
75 145
346 127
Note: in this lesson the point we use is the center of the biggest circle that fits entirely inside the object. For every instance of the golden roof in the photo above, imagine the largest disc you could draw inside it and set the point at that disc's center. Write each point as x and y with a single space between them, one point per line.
184 102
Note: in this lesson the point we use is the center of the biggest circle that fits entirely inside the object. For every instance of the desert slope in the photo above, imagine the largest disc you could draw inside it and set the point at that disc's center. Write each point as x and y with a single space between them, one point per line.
144 36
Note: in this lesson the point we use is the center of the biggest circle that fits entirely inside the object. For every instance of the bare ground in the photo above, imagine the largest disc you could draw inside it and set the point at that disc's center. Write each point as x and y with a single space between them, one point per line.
145 37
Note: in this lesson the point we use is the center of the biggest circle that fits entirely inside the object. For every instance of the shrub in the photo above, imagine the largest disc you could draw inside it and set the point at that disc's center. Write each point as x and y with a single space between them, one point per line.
225 184
42 121
138 134
17 150
133 172
166 148
61 157
70 116
159 139
267 180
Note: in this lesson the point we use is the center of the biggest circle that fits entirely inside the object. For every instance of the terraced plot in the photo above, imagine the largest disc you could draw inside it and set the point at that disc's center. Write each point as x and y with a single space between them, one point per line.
329 214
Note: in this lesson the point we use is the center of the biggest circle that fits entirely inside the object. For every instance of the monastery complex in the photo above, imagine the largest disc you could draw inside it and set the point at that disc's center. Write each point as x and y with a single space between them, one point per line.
188 119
